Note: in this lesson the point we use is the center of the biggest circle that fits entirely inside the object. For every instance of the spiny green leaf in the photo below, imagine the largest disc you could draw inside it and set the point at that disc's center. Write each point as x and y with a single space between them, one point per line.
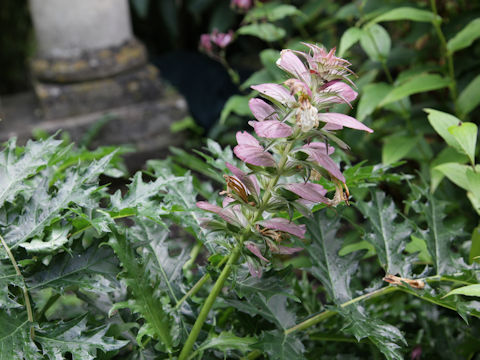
385 337
465 37
279 346
15 169
386 233
91 269
53 242
333 271
76 338
415 85
469 290
437 235
43 208
8 277
475 247
15 342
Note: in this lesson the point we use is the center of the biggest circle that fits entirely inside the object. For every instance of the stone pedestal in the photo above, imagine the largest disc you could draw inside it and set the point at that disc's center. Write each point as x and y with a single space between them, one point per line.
87 58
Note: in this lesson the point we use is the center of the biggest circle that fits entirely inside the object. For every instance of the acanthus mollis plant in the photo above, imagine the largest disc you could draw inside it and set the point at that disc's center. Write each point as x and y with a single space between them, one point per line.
294 128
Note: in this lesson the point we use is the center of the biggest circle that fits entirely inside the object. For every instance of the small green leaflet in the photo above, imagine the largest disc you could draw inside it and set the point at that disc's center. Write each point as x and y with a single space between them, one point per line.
376 42
406 13
469 290
468 99
466 135
415 85
225 341
349 38
264 31
279 346
465 37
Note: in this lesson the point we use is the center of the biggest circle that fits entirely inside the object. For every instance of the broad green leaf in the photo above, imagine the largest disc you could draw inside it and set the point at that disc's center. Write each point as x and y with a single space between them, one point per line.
396 147
269 58
15 168
265 31
465 37
91 269
372 95
141 7
456 173
441 121
259 77
279 346
469 290
447 155
271 12
386 233
237 104
15 342
468 98
349 38
437 235
415 85
226 341
473 178
376 42
475 247
77 339
466 136
405 13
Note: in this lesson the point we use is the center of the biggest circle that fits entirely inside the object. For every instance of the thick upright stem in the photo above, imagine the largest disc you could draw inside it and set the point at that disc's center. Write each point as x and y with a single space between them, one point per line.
197 327
447 55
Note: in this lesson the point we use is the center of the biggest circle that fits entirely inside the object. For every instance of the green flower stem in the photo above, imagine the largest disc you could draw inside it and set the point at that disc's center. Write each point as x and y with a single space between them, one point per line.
199 284
193 256
447 55
329 313
232 259
28 306
197 327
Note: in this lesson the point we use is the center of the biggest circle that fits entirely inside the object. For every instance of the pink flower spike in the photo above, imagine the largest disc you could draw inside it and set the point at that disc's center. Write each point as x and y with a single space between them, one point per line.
271 129
261 110
343 120
250 181
284 225
276 92
205 43
309 191
255 250
298 86
290 63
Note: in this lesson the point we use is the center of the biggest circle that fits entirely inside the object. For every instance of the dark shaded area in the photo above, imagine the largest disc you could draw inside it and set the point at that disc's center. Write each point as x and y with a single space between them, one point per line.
16 44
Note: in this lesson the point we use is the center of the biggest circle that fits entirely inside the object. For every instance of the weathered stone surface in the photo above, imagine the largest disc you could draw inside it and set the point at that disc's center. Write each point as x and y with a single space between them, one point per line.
90 64
65 28
63 100
144 125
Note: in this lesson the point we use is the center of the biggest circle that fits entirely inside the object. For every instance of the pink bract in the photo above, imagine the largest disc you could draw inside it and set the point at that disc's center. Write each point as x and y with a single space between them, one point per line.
271 129
343 120
309 191
284 225
276 92
250 151
261 110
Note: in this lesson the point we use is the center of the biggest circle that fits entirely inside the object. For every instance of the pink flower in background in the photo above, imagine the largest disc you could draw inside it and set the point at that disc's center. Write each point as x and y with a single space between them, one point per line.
241 4
221 39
